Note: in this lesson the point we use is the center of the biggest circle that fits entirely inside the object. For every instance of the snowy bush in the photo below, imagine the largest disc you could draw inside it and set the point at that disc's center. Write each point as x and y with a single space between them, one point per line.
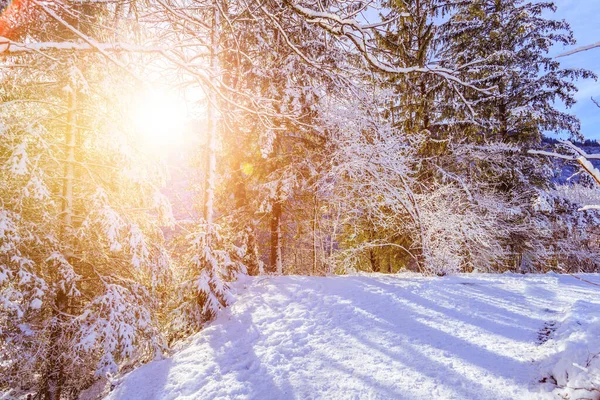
440 226
208 266
120 326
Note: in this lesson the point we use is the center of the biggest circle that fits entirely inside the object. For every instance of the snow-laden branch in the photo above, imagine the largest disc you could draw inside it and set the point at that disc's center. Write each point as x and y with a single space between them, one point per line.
589 168
359 36
572 147
582 158
579 50
552 154
8 46
90 41
340 20
592 207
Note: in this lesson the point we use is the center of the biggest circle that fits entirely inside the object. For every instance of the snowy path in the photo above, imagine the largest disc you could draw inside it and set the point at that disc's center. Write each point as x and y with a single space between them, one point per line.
370 337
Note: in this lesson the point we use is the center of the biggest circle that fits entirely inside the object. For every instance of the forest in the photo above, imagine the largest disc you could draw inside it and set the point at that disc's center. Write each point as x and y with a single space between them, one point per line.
155 152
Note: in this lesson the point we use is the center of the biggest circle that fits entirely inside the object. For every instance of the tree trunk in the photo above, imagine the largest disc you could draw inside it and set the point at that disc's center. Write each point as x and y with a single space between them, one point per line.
503 116
251 260
276 261
212 115
502 106
314 237
374 261
276 258
54 379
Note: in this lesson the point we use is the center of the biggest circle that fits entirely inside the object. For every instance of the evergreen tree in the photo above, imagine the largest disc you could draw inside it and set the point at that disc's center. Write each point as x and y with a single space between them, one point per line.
410 41
503 45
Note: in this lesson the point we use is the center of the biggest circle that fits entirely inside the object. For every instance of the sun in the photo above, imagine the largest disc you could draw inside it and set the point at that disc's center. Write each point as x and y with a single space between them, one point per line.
159 118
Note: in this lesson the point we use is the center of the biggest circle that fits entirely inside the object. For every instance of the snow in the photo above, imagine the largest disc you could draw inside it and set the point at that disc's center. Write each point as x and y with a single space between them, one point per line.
19 160
589 167
36 304
476 336
575 364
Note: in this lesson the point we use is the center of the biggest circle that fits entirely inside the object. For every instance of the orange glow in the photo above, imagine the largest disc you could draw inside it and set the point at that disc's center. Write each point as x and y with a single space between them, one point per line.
9 17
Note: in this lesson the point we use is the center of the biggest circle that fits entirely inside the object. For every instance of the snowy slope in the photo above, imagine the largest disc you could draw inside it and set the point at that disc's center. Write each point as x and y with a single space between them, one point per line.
375 337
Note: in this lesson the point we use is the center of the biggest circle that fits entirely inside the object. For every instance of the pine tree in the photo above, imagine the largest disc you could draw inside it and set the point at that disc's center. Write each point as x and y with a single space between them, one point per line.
503 45
410 41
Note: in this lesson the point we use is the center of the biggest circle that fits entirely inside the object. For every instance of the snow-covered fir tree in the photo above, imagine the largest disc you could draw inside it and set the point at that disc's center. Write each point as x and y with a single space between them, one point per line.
503 45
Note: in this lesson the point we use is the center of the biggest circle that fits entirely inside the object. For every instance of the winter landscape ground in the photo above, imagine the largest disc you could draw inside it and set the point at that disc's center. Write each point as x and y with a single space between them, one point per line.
377 336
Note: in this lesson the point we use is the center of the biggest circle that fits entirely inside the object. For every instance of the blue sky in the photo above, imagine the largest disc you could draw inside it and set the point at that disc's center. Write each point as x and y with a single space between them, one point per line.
582 15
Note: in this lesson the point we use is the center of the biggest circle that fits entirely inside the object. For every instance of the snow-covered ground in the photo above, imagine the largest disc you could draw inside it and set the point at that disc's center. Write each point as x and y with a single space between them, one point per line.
388 337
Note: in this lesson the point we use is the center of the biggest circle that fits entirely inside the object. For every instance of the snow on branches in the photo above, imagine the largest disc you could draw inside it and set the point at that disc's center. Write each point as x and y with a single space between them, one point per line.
120 325
211 263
